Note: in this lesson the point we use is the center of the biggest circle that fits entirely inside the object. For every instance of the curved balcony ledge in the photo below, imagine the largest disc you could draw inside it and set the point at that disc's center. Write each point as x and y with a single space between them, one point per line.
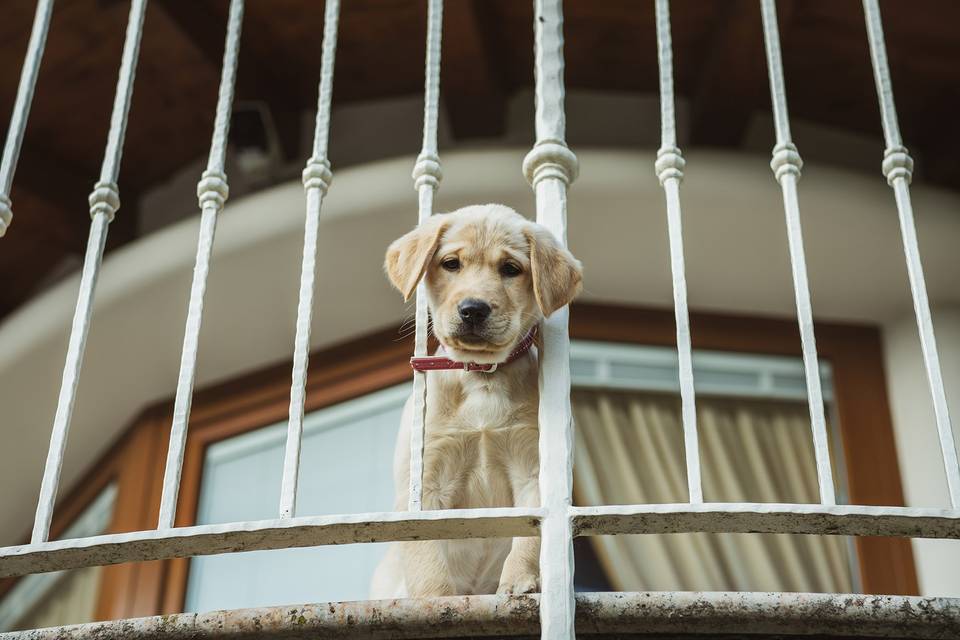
678 615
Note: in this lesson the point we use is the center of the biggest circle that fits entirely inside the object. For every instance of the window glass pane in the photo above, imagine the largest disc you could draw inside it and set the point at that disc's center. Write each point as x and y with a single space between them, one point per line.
61 597
346 467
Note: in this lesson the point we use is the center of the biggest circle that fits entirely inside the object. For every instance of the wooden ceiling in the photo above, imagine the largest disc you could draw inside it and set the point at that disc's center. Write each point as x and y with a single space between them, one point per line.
487 54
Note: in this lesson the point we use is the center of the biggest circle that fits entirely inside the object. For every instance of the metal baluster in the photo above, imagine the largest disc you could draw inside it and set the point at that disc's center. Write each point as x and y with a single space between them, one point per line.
21 108
669 168
316 181
550 167
786 165
426 176
212 192
104 203
898 168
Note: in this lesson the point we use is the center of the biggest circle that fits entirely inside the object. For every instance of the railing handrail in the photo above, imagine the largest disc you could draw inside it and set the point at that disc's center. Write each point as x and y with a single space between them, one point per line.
632 614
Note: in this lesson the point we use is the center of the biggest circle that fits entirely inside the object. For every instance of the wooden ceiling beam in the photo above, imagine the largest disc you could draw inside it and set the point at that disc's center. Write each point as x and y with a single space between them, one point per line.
470 84
60 185
264 71
930 130
52 221
733 75
41 267
65 187
937 163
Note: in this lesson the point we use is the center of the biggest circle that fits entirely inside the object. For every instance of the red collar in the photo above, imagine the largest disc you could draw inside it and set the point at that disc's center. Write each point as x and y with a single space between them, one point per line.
435 363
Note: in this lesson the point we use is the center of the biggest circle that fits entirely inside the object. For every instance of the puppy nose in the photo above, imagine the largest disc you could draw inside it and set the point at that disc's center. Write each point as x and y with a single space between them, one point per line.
473 311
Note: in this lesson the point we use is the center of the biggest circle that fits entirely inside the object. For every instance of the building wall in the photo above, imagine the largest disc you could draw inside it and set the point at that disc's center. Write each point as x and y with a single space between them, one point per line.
736 257
918 447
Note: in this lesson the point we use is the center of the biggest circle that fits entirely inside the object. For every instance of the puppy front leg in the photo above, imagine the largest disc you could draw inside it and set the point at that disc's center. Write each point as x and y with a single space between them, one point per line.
425 567
426 570
521 569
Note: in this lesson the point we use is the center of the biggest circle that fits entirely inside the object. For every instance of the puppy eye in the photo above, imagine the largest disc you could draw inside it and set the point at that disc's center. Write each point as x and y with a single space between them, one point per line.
451 264
510 270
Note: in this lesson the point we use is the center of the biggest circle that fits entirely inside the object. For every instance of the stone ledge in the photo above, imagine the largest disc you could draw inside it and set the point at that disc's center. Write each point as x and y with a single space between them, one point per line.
649 615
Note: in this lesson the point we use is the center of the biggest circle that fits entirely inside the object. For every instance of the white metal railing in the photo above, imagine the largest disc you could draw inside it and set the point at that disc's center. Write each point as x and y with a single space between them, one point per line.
426 176
104 202
669 168
21 108
550 168
786 165
212 192
316 181
898 169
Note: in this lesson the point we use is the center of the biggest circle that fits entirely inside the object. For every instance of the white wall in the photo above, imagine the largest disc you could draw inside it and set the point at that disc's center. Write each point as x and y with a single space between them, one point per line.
918 448
370 131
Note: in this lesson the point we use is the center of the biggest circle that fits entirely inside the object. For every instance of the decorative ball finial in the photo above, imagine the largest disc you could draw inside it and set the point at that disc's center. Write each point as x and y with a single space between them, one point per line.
786 160
670 164
105 199
6 213
212 188
897 163
317 174
550 159
427 171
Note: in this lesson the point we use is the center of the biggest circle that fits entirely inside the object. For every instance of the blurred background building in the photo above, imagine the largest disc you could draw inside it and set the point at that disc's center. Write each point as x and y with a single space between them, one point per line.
752 407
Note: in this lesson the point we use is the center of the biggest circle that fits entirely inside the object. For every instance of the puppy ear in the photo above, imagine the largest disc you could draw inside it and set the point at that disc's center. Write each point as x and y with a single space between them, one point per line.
557 275
408 256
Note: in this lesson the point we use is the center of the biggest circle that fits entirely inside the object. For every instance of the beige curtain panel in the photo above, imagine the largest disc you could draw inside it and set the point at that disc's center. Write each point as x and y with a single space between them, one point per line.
73 601
629 450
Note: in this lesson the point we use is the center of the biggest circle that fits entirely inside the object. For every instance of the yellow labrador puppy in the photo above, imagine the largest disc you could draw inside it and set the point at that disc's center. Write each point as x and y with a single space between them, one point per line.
491 277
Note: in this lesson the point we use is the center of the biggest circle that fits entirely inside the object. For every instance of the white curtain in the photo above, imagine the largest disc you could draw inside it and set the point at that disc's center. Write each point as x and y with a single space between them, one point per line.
61 597
72 601
629 450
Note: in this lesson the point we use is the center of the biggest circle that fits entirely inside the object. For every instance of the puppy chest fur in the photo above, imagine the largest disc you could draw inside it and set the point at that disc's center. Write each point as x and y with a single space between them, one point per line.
480 441
480 451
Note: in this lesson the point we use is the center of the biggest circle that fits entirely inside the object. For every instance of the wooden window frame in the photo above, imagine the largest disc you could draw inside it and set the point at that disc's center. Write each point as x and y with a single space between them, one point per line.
131 589
381 360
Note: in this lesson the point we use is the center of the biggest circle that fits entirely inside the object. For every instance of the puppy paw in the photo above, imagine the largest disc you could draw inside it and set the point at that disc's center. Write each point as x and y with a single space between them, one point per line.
519 584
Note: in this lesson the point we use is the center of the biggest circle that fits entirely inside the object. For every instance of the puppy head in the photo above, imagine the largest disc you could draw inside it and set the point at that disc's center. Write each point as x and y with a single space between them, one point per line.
490 274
